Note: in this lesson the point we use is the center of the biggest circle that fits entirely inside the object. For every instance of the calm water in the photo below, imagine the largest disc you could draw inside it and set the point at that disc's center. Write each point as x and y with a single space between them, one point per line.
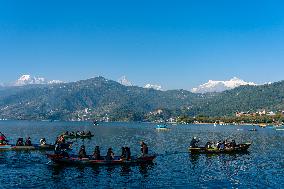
262 167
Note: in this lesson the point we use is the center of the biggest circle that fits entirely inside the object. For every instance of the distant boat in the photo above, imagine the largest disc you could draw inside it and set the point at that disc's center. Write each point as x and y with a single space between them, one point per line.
96 123
252 129
162 127
263 125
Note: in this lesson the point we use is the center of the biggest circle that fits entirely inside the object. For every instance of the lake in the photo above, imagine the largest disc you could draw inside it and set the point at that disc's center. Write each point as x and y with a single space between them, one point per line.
262 167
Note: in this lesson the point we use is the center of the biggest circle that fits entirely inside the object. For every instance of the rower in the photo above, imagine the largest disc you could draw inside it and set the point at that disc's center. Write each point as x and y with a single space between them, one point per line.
97 153
123 153
110 154
42 142
194 142
127 153
28 142
82 152
144 148
20 142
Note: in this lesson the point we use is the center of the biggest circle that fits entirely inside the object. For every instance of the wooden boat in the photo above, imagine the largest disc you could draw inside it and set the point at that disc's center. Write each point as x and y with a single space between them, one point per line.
238 149
33 147
78 136
74 160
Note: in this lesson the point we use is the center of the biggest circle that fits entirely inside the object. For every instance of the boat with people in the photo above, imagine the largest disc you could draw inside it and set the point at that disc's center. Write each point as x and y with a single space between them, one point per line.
81 135
89 160
32 147
218 147
215 150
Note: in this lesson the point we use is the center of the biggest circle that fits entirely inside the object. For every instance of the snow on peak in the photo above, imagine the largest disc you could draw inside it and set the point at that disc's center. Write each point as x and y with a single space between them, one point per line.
155 86
124 81
219 86
29 80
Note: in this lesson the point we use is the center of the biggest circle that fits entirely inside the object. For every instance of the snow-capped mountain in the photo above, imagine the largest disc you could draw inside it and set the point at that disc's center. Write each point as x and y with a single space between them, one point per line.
155 86
219 86
124 81
30 80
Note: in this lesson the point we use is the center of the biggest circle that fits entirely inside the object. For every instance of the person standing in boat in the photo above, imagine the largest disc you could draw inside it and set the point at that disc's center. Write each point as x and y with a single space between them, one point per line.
194 142
127 153
82 152
144 148
110 155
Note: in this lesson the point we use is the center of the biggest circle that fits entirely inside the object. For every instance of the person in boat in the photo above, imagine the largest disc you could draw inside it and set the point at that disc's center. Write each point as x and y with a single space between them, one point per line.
28 142
127 153
3 139
144 148
194 142
89 133
66 133
222 146
20 142
97 153
110 155
233 144
208 145
61 139
123 153
82 152
42 142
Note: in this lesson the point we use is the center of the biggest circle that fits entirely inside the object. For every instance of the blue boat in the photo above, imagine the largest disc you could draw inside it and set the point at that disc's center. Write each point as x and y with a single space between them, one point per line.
162 127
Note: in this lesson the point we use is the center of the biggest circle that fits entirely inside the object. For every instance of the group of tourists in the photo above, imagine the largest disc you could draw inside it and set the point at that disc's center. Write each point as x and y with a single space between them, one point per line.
125 153
20 141
77 133
221 145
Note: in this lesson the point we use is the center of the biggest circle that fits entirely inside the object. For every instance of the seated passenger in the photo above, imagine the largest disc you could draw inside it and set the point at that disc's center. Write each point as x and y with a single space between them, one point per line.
82 152
128 153
208 145
97 153
3 139
222 146
110 154
233 144
20 142
28 142
194 142
42 142
89 133
123 153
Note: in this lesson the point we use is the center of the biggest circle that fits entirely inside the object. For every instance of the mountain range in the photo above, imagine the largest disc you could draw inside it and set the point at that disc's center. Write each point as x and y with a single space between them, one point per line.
97 98
220 86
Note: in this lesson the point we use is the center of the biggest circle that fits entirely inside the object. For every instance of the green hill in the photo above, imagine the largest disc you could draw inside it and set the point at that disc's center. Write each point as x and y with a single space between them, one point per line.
98 97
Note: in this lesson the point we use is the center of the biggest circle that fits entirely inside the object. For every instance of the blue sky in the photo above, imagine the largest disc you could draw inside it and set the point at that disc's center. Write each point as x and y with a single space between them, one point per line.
178 44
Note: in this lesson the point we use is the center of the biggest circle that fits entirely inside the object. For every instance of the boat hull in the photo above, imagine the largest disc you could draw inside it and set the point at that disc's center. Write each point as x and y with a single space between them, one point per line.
74 160
239 149
78 136
33 147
